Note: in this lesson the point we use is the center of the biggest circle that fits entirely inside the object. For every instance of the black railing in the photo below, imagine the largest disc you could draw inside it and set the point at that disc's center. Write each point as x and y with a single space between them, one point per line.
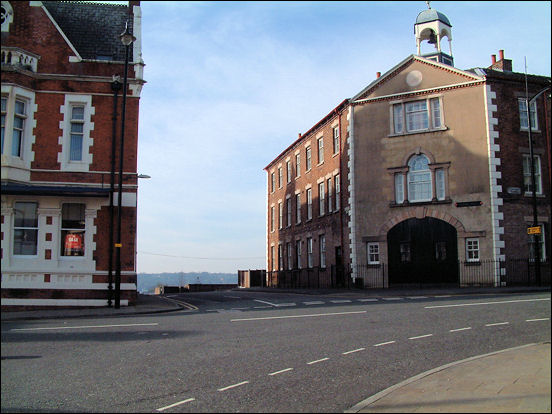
482 273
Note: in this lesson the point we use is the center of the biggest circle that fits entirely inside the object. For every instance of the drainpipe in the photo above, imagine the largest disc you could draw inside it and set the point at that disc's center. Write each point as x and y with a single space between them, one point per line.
341 149
115 87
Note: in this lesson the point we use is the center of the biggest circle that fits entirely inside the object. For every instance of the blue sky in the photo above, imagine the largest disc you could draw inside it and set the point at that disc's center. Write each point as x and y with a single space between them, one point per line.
231 84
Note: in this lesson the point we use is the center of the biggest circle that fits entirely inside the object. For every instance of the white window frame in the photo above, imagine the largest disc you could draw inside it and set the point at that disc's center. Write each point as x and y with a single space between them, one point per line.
335 133
288 211
280 215
280 177
64 157
321 198
80 230
404 113
527 173
337 183
272 258
308 158
412 183
25 228
297 165
399 188
297 208
523 124
472 249
272 182
288 171
280 257
298 253
320 150
289 252
373 253
330 195
309 253
271 219
309 203
322 250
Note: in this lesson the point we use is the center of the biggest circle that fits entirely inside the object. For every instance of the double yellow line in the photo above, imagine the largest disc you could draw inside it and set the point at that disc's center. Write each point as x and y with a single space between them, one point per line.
183 304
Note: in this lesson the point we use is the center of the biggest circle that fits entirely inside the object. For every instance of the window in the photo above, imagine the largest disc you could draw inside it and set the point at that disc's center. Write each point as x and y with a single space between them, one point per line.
309 203
415 116
280 257
298 254
308 156
280 177
320 150
272 218
77 133
272 182
322 250
289 256
288 171
298 165
523 115
280 215
297 208
309 252
399 188
440 183
330 194
18 128
373 253
527 178
4 112
288 211
25 229
540 243
419 179
405 252
337 192
321 198
272 258
335 140
472 250
72 229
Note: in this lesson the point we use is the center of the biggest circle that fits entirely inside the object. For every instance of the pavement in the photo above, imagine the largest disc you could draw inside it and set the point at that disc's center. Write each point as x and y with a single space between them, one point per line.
510 380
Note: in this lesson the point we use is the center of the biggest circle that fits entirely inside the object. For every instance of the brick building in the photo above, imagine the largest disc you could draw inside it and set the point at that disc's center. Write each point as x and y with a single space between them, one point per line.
436 167
62 75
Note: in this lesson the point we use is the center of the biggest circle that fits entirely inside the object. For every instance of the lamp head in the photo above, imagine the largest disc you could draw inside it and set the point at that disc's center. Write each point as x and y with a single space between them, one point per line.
126 37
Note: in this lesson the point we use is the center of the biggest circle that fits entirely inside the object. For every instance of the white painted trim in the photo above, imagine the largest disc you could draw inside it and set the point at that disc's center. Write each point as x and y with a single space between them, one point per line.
58 302
352 199
496 201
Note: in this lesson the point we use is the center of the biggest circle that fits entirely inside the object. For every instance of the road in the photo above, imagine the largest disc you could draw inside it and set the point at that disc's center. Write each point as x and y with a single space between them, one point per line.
255 352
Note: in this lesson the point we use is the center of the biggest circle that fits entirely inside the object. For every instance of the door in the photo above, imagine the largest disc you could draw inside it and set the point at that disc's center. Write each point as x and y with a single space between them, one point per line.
422 251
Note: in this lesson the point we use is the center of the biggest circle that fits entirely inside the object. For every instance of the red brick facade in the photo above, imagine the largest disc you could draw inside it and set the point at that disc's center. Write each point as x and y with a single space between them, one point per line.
49 68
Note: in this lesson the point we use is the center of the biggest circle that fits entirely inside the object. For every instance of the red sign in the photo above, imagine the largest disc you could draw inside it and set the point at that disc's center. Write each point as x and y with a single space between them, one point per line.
73 242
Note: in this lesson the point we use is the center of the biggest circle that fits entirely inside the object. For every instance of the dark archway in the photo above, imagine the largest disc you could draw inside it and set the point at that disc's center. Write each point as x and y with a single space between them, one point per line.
422 251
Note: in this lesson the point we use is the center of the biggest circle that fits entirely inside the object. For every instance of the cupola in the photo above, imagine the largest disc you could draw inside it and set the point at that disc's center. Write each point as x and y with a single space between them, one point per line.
432 26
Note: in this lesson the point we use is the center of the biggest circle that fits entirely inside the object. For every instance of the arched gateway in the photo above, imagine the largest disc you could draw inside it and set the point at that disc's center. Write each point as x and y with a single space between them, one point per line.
422 250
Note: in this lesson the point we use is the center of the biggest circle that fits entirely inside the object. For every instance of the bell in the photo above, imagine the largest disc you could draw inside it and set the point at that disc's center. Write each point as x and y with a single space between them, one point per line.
432 38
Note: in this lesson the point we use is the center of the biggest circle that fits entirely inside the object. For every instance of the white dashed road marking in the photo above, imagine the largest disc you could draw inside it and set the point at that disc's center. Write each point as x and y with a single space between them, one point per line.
421 336
385 343
496 324
536 320
233 386
317 361
175 404
296 316
341 301
281 371
354 350
368 300
314 302
484 303
460 329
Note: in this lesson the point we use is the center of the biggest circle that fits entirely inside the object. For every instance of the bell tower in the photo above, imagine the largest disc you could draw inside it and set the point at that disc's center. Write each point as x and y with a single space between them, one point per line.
433 26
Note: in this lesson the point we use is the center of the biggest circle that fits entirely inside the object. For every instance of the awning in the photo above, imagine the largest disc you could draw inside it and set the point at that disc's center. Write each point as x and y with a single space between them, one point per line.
65 191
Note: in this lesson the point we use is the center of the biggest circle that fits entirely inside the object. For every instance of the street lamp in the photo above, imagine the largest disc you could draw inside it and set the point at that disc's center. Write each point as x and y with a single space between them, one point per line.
528 103
126 38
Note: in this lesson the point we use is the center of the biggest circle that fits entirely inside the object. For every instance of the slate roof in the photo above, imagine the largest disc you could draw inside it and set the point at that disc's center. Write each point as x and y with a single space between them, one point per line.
92 28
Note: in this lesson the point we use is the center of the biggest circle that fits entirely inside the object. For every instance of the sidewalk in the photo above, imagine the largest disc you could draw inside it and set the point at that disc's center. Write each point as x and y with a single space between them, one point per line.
514 380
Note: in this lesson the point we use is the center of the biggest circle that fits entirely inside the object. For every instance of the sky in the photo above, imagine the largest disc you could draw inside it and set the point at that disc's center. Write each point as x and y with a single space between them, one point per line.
230 85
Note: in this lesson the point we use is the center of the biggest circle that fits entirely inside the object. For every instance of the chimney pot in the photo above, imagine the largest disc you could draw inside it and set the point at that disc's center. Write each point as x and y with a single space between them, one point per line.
493 59
299 135
501 54
378 74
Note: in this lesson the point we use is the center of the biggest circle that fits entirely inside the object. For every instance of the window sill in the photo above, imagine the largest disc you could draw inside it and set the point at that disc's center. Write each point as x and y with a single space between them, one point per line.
320 164
422 131
420 203
538 131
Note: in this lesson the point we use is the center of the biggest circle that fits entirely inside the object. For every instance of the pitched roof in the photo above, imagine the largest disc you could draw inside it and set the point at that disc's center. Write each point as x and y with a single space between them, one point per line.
92 28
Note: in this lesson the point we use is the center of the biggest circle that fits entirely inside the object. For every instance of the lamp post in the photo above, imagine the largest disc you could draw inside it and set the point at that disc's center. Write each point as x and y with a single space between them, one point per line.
126 38
528 103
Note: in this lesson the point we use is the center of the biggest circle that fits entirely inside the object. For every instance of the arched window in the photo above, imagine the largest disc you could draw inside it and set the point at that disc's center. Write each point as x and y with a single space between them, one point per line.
419 175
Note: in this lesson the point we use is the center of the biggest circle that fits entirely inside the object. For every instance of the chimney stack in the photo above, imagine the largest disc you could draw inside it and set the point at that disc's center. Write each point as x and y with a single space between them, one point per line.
501 54
378 74
493 59
502 64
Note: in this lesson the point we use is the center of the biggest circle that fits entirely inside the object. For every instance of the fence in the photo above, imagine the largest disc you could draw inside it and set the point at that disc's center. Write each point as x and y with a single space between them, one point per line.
489 273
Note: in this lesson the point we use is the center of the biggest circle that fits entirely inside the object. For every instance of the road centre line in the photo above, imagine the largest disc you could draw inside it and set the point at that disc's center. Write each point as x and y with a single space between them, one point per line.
265 302
484 303
175 404
341 301
421 336
296 316
84 327
233 386
496 324
314 302
385 343
417 297
460 329
285 304
392 298
353 351
367 300
317 361
281 371
536 320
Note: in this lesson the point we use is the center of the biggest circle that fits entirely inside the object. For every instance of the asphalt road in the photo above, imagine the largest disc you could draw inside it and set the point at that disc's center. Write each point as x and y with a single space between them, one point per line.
255 352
